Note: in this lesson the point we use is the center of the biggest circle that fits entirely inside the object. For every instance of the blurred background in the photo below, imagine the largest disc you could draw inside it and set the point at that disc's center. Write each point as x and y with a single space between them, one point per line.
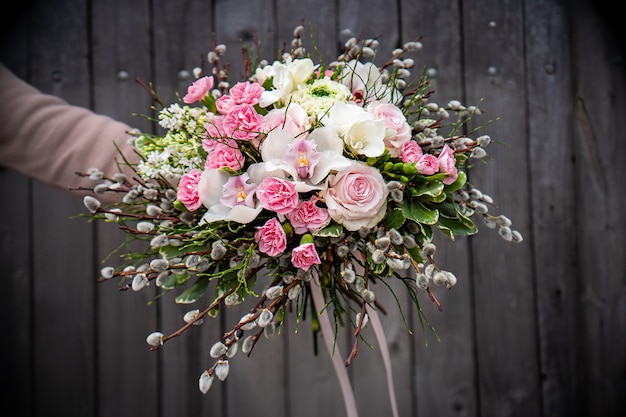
531 329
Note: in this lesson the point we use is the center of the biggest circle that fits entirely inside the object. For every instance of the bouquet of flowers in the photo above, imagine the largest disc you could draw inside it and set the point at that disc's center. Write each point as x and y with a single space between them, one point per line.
301 180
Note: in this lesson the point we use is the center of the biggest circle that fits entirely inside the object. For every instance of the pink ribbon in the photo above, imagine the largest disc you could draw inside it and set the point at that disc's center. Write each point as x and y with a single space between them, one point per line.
338 364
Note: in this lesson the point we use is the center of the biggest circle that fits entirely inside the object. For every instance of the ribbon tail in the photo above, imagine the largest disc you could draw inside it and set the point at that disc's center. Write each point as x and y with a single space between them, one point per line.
384 352
328 334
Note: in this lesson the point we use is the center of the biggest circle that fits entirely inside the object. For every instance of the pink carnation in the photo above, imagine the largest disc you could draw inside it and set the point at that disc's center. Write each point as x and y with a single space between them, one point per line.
198 90
243 122
271 237
225 155
308 217
410 151
187 191
447 164
277 195
428 164
305 256
215 129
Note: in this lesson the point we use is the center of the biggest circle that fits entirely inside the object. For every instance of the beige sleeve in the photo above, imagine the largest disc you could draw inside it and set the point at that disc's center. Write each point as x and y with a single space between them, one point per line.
45 138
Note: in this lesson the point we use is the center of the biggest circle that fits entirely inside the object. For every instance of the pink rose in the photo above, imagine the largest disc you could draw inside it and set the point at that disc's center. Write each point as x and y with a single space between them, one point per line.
410 151
398 130
243 122
225 155
271 237
198 90
428 164
447 164
304 256
277 195
308 217
356 196
187 191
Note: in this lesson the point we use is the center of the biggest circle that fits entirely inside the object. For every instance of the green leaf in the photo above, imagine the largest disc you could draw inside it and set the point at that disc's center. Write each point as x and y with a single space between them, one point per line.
332 230
395 218
419 213
432 189
193 293
459 227
458 183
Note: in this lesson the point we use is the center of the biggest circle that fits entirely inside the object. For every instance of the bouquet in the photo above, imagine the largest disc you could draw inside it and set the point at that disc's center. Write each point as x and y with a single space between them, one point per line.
302 182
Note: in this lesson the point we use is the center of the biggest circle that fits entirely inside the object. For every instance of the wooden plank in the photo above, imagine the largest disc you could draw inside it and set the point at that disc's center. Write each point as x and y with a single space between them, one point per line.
63 314
182 38
257 382
506 354
307 360
444 371
549 89
15 243
367 369
127 371
600 106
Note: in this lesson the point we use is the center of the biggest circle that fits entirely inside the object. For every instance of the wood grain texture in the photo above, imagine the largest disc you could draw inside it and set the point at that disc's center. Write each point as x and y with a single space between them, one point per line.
534 329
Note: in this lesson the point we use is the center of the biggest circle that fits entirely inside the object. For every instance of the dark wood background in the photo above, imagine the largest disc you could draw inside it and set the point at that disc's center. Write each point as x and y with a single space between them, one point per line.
535 329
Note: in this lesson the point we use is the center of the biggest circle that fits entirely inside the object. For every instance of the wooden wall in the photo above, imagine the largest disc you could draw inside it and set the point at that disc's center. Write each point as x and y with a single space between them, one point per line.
535 329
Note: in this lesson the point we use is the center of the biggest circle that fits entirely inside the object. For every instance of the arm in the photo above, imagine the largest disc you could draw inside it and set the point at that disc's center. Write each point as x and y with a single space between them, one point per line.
47 139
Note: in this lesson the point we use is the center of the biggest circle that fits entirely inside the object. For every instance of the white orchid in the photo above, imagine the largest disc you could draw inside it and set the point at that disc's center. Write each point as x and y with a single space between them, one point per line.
308 161
229 198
